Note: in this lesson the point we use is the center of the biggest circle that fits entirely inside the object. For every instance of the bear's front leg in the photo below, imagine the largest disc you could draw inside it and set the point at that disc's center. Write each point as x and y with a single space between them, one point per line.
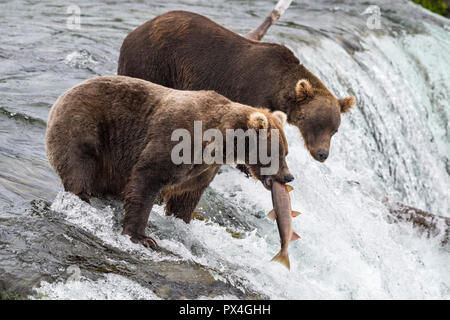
182 205
140 193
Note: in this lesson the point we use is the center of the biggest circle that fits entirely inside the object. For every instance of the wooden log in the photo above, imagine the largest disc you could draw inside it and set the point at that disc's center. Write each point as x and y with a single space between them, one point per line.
259 32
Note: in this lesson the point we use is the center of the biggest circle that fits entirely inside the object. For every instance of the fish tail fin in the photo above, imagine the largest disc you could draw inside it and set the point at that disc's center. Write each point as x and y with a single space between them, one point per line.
282 258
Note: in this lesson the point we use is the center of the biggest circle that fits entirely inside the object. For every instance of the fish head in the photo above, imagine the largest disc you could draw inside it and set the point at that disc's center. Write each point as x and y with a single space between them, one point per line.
283 176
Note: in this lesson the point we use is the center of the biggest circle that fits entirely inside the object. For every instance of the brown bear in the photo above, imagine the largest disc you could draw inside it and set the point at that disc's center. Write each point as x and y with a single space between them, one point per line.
184 50
112 136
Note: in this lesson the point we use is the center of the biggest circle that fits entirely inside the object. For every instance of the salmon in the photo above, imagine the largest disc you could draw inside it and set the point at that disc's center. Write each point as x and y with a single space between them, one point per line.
283 214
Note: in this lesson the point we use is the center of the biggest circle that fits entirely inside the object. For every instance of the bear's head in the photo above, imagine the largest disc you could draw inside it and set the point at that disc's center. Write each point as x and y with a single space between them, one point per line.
271 147
317 113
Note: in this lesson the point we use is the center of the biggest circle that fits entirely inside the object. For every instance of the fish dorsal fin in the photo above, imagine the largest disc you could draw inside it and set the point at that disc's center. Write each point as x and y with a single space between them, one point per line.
295 213
294 236
271 215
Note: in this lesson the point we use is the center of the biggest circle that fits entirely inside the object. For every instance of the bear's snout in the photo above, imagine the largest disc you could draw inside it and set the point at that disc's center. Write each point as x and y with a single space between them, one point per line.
322 155
288 178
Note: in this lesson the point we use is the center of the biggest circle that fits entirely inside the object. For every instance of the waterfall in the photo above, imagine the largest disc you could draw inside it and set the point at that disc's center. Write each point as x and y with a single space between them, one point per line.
393 146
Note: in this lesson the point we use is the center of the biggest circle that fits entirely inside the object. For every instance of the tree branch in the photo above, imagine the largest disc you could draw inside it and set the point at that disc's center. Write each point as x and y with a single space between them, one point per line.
260 31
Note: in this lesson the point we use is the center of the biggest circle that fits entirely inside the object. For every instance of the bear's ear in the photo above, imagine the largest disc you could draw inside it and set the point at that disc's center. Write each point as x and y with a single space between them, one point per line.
257 120
347 103
280 116
303 90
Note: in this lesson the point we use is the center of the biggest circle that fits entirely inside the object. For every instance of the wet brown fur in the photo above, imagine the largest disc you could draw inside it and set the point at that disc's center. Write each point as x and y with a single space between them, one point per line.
111 137
187 51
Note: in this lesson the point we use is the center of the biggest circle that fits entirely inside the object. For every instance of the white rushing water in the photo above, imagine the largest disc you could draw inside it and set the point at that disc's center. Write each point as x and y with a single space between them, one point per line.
394 145
397 137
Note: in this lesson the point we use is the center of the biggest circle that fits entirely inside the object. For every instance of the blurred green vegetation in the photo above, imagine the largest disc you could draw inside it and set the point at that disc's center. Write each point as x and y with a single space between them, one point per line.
437 6
4 295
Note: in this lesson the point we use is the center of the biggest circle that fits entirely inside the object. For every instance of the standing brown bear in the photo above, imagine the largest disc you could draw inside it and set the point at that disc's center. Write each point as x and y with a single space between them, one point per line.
113 137
187 51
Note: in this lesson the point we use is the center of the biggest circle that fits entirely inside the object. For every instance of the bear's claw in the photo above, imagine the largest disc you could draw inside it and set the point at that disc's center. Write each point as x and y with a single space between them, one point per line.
147 242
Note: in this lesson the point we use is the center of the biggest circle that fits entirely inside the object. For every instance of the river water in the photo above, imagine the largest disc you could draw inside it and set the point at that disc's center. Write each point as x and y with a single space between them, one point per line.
393 146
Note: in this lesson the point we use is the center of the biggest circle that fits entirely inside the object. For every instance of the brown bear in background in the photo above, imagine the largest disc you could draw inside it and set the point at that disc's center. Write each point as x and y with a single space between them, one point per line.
187 51
112 137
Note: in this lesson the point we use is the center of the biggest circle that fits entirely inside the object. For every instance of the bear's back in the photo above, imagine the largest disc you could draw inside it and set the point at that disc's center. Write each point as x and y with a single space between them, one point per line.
188 51
99 96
